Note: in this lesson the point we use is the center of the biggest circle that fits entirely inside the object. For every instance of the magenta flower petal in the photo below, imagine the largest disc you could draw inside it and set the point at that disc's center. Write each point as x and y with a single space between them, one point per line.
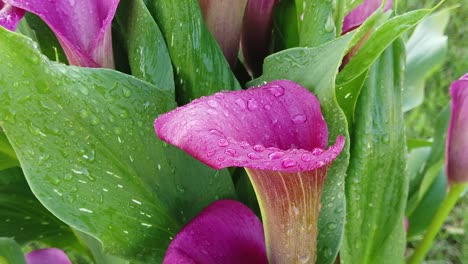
358 15
82 27
225 232
457 137
256 33
277 127
10 16
47 256
224 20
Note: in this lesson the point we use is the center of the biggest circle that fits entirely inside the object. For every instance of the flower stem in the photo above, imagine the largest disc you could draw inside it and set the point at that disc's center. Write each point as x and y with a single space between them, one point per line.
290 205
456 189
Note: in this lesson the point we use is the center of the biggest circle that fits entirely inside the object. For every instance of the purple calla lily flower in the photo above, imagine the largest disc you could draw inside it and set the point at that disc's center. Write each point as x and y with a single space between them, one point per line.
82 27
47 256
10 16
457 137
224 20
358 15
277 132
225 232
256 33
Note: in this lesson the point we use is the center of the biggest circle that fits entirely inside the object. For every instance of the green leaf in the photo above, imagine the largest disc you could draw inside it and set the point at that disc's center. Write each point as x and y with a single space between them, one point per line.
8 157
430 169
285 31
318 26
422 216
10 252
350 79
201 68
25 219
315 69
90 154
147 52
426 51
376 184
378 42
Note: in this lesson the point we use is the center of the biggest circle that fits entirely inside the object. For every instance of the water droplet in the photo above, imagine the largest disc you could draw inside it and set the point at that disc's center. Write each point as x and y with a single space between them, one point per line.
212 103
253 156
126 92
304 258
276 155
223 142
210 153
244 144
84 113
252 104
258 148
231 152
329 25
306 157
331 226
241 103
84 90
317 151
299 119
180 188
288 163
276 90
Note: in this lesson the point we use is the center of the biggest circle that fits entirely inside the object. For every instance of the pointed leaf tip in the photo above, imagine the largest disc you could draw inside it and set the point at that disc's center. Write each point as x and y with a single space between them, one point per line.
225 232
277 126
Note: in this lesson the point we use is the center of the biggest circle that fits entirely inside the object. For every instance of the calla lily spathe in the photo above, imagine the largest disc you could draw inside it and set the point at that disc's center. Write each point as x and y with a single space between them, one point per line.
358 15
81 26
457 137
47 256
277 132
10 16
225 232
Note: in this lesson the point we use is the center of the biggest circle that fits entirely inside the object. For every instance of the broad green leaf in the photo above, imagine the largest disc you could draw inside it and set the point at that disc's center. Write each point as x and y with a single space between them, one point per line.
318 26
349 80
8 157
10 252
426 51
376 184
422 216
33 27
147 52
90 154
430 169
200 66
95 248
413 143
378 42
25 219
285 31
315 69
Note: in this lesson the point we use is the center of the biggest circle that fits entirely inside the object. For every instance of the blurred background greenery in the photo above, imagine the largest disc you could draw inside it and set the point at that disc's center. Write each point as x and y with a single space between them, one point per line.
451 244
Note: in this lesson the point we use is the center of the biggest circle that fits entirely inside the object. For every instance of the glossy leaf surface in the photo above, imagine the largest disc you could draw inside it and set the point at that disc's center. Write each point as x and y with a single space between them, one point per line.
376 184
147 51
315 69
10 252
94 160
200 66
426 51
318 26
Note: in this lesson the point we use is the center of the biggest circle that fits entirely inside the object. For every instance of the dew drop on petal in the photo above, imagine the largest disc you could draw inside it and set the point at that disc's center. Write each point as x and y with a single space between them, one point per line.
213 103
306 157
288 163
241 103
231 152
299 119
258 148
276 90
276 155
253 156
223 142
317 152
252 104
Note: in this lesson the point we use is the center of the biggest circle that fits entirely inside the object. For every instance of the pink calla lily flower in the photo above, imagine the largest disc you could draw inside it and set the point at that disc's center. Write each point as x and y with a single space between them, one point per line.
225 232
47 256
358 15
457 137
82 27
277 132
10 16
